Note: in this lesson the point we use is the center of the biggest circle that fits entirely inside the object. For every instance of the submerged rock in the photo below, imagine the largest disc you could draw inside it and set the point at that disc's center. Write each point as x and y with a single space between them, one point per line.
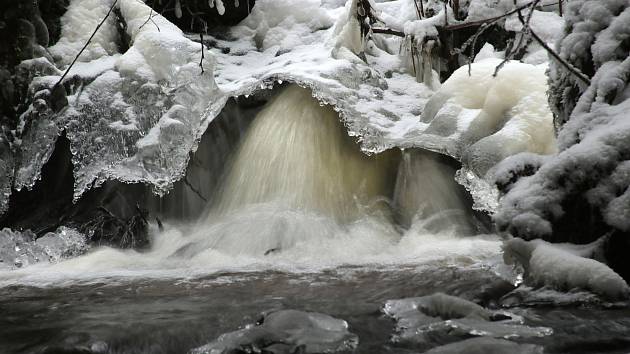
286 332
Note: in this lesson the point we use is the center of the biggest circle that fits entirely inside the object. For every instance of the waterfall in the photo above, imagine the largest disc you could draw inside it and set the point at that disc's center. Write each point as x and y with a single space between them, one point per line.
296 190
297 154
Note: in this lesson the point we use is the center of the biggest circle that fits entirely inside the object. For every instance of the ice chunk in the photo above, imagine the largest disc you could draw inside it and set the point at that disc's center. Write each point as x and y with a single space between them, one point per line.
287 331
20 249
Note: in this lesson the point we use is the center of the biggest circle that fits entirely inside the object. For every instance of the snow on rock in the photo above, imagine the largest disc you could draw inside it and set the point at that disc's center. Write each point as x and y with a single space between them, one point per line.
564 268
116 101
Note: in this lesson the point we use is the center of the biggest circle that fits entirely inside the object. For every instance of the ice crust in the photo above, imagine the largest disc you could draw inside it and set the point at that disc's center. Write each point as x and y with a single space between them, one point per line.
21 249
137 116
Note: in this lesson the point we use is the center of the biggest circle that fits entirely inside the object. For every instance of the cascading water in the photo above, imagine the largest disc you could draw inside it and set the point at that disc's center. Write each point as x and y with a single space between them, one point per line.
297 191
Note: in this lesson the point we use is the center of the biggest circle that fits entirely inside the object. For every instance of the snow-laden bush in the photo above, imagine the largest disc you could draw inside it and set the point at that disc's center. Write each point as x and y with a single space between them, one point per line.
582 192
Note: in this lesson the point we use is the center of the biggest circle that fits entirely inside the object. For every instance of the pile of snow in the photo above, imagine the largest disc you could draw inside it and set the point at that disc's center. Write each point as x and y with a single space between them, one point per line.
563 267
591 166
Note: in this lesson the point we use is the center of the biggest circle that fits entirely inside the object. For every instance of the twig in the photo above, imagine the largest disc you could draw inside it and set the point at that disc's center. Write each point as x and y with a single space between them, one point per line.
509 53
194 189
151 15
86 44
572 69
492 19
202 55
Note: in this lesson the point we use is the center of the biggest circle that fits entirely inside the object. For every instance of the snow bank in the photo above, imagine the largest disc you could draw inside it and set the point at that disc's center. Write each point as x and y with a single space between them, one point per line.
550 265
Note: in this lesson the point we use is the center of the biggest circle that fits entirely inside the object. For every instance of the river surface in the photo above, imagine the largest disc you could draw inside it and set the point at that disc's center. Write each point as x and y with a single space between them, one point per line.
174 315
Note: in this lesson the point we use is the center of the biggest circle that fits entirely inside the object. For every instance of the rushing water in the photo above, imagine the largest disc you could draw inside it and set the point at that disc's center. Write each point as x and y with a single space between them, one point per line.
299 219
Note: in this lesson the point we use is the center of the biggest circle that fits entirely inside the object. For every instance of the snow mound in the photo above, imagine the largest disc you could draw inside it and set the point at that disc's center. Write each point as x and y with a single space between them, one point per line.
563 268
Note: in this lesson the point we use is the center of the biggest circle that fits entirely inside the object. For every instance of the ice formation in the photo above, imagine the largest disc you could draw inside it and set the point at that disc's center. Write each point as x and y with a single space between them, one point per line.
136 116
21 249
439 319
564 268
287 331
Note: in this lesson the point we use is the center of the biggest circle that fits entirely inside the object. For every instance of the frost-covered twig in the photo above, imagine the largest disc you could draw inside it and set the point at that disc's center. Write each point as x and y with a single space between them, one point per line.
572 69
86 44
151 15
492 19
509 53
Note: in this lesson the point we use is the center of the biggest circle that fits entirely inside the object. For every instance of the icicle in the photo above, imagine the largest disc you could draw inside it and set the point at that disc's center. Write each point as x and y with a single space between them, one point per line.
220 7
178 9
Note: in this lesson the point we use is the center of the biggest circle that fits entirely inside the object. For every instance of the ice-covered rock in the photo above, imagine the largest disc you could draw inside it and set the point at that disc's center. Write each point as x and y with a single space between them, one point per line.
131 116
484 345
286 331
21 249
438 319
565 268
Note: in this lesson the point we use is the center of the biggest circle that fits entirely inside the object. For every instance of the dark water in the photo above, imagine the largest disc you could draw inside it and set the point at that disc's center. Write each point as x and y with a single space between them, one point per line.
174 316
